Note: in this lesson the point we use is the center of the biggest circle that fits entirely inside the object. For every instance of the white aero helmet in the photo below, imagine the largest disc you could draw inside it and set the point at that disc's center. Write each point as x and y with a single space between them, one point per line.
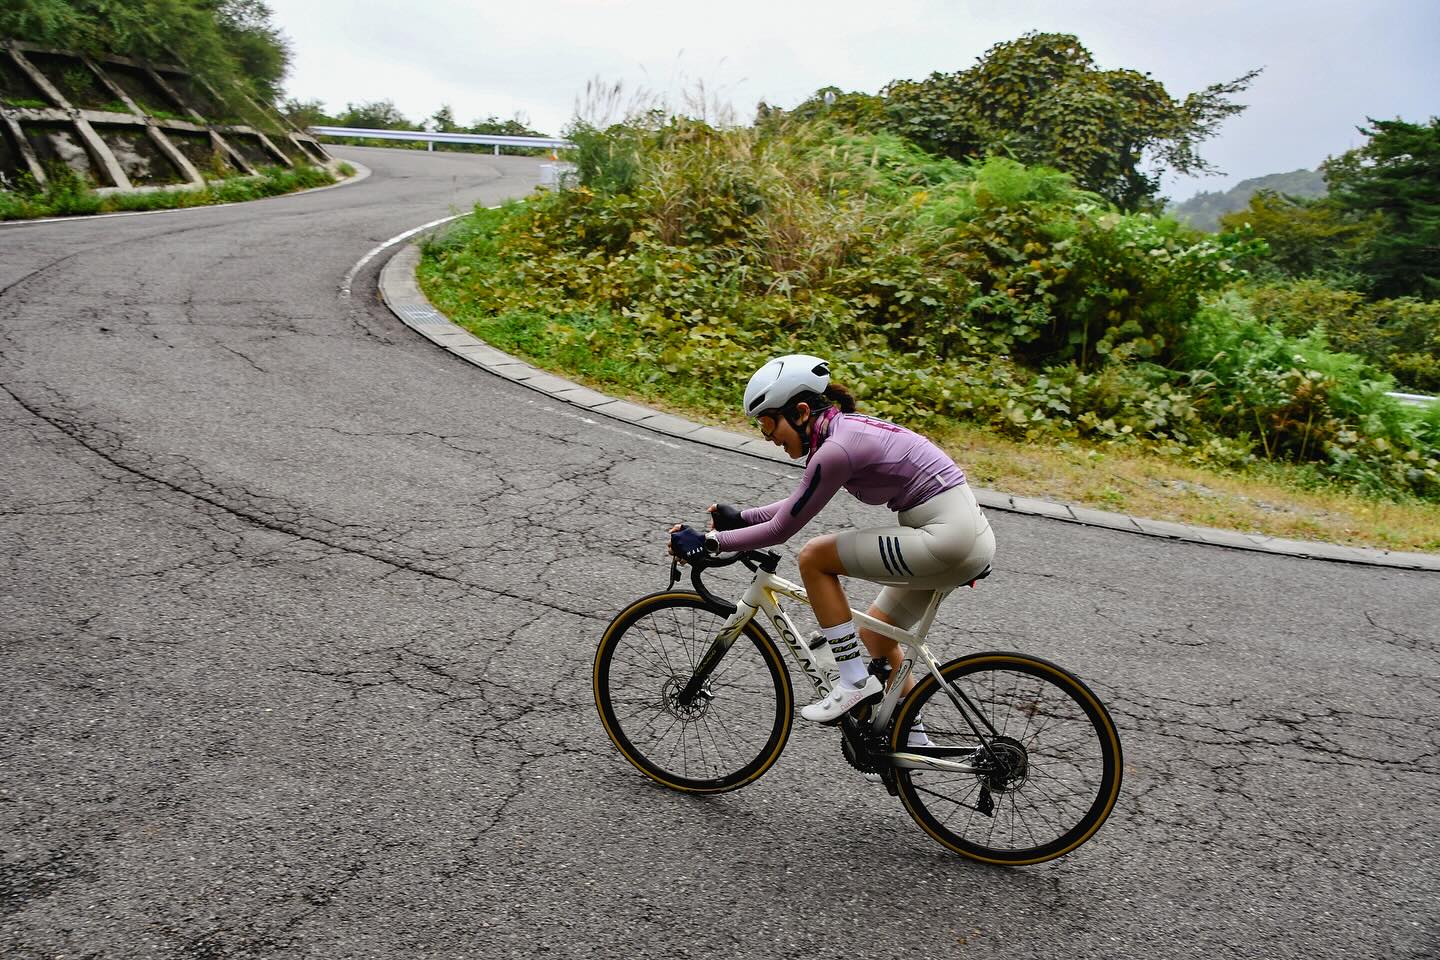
782 380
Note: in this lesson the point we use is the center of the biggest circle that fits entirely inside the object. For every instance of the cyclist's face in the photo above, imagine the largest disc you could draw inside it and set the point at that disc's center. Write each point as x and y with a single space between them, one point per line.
780 432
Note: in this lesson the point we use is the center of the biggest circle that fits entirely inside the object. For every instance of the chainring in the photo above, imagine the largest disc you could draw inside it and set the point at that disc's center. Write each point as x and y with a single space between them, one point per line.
859 745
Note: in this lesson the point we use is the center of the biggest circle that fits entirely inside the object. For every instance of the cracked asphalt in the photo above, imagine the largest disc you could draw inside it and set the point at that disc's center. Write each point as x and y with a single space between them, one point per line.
299 610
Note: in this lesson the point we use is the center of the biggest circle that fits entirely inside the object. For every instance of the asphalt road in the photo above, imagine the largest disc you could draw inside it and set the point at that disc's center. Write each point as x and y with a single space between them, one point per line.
297 615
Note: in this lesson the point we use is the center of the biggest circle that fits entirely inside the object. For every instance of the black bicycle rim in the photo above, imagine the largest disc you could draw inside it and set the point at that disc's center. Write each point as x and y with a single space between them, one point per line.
1062 761
724 739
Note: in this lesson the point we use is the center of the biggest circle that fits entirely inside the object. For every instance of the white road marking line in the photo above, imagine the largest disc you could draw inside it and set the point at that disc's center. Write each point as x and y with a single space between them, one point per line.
359 264
639 432
350 274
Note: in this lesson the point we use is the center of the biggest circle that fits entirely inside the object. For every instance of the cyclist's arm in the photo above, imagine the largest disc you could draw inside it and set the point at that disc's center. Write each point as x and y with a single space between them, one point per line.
826 473
754 515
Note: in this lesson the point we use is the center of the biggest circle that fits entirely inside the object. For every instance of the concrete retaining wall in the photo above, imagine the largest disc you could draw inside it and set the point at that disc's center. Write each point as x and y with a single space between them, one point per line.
123 124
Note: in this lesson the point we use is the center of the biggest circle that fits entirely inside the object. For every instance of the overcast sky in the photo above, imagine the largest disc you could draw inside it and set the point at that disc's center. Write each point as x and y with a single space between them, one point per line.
1328 64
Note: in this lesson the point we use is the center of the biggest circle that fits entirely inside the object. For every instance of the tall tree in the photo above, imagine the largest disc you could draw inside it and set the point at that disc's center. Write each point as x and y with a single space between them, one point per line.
1306 237
374 115
443 120
1397 175
305 113
1041 99
260 48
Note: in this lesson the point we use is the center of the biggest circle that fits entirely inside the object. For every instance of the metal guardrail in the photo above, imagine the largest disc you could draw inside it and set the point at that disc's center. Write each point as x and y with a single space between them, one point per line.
1413 399
430 138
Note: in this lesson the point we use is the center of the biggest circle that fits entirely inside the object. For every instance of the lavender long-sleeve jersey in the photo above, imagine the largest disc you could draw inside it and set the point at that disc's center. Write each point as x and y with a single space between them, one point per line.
876 461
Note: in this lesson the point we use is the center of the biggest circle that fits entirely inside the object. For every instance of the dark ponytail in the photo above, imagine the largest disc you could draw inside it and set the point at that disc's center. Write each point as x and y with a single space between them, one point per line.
835 395
840 396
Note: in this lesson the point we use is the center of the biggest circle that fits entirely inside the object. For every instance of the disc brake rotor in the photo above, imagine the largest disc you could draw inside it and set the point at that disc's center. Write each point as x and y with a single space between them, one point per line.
688 712
1007 765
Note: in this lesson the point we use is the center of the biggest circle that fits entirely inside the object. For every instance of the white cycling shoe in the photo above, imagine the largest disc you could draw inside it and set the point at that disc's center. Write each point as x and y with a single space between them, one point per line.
842 699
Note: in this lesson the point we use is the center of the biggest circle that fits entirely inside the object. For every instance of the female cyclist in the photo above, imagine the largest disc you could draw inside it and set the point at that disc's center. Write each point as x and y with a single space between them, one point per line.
942 539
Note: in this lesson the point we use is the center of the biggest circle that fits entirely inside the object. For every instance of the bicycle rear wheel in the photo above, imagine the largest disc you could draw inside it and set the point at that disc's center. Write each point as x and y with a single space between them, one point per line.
1049 780
724 738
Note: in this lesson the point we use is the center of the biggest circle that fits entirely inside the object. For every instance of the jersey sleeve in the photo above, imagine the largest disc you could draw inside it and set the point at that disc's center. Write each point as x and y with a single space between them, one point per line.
827 472
754 515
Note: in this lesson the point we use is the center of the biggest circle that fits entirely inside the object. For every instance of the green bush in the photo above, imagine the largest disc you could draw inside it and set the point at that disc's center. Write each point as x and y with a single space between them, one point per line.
67 194
1400 336
988 293
1295 398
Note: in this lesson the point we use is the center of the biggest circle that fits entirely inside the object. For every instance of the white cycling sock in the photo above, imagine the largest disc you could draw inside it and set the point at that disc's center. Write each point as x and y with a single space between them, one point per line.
845 645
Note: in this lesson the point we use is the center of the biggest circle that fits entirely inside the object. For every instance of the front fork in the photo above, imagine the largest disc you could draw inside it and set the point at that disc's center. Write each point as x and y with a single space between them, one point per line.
724 640
749 605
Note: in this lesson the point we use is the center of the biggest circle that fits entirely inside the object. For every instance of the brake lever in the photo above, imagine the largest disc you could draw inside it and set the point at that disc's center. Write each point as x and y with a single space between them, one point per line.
674 573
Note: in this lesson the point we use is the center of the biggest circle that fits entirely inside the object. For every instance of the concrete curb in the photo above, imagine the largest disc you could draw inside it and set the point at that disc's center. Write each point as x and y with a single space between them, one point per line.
403 296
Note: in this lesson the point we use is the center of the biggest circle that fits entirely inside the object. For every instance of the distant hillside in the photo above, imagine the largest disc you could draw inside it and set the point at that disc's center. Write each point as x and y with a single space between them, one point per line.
1204 210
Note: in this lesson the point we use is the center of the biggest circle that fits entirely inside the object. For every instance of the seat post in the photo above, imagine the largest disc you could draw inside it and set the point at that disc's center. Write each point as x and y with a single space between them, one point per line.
923 627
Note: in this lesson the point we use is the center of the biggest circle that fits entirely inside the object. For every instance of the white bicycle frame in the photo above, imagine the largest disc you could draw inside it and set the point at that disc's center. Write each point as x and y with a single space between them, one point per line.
763 596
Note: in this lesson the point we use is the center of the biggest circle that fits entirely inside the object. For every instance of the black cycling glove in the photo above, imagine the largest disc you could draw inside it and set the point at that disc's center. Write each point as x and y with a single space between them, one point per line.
687 544
727 517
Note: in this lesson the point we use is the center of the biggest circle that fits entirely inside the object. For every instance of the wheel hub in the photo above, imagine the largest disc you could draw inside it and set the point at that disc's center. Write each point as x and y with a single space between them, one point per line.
1007 765
678 707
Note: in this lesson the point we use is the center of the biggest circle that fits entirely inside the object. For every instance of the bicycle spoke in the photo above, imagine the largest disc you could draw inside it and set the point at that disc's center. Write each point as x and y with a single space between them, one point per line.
727 723
1042 777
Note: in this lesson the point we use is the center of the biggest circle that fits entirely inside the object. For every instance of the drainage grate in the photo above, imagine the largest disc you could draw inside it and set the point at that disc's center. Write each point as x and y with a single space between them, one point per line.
414 315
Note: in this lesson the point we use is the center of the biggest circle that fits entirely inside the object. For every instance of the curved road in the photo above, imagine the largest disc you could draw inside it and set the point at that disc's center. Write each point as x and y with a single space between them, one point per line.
298 614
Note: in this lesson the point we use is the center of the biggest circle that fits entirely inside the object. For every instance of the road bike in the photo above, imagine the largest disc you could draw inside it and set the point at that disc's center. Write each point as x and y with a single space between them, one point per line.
1015 761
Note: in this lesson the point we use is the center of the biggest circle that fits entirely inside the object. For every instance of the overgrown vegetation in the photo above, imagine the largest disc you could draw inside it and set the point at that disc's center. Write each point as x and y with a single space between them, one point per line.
67 194
229 43
1042 99
1362 263
987 293
946 292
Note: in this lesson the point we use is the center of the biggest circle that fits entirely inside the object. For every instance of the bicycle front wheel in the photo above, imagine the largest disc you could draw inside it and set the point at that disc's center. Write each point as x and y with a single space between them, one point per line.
729 734
1046 783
